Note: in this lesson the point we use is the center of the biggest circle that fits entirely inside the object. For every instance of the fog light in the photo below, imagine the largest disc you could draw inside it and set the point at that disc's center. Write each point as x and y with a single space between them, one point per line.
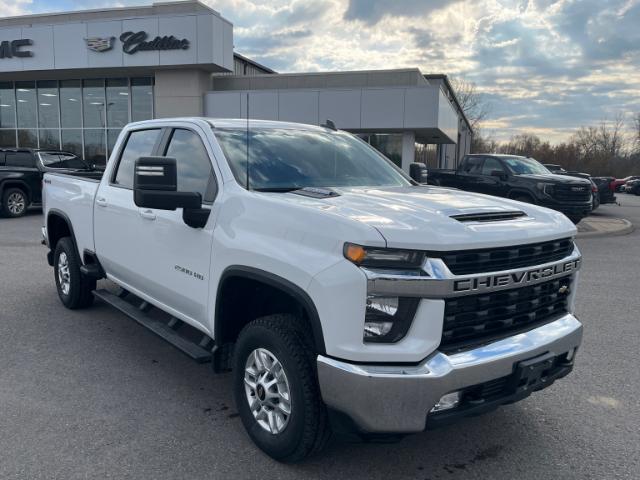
447 402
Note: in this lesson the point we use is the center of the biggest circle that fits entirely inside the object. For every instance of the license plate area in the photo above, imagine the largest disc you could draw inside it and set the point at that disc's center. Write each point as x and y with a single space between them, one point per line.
537 373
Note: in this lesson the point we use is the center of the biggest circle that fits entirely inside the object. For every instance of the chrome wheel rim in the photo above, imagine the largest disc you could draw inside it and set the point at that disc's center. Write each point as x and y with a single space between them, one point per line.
16 203
267 391
64 279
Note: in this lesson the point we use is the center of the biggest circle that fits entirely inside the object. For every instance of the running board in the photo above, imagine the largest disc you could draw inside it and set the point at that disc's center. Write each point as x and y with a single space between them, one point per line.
164 331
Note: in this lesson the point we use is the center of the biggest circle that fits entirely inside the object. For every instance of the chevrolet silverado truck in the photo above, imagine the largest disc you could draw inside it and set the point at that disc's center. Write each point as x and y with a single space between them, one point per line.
519 178
343 296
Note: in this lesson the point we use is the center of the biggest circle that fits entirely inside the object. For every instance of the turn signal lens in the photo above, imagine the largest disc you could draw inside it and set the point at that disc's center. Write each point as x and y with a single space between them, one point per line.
376 257
355 253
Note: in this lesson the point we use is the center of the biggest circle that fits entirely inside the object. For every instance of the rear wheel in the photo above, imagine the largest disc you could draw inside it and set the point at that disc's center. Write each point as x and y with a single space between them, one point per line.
14 203
276 389
74 289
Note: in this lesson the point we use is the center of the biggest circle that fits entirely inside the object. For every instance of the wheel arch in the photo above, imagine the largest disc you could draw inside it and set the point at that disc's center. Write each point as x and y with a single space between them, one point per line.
16 183
58 226
224 329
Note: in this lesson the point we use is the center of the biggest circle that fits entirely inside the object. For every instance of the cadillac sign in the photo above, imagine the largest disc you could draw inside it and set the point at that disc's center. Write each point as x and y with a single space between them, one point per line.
100 44
133 42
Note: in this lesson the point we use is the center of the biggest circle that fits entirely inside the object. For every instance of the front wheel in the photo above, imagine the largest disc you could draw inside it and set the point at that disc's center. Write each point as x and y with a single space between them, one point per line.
276 389
74 289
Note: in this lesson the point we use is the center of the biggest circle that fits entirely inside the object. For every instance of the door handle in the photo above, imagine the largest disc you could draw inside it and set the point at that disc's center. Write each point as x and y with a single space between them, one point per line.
101 202
148 214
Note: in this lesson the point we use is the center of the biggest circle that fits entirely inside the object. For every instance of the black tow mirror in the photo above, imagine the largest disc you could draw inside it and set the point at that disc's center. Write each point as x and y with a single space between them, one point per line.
418 172
499 173
155 185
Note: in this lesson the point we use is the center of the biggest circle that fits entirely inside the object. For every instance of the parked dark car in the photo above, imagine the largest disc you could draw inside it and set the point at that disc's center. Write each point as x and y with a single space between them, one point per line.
606 189
21 172
520 178
632 186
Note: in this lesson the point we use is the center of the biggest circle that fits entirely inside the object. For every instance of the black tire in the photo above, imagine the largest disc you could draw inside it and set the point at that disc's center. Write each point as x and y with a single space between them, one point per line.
307 430
14 203
78 294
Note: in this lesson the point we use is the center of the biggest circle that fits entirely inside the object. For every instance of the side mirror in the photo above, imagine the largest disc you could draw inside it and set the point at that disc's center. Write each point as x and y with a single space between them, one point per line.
418 172
499 173
155 185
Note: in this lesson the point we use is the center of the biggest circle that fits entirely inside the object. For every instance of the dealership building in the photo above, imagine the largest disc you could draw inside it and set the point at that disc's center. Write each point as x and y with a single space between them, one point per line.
72 80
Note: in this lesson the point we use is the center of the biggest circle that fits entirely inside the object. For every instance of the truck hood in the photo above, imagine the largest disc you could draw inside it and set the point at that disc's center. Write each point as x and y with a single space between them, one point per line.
421 217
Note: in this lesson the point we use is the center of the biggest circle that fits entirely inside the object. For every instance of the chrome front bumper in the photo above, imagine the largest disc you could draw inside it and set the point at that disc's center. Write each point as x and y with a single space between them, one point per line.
397 399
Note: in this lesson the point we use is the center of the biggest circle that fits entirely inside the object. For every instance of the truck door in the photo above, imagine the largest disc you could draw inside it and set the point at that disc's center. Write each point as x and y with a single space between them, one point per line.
489 181
176 257
467 174
117 220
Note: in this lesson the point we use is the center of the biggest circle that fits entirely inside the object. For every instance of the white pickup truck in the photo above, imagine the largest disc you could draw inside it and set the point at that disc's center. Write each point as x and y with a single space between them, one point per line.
343 295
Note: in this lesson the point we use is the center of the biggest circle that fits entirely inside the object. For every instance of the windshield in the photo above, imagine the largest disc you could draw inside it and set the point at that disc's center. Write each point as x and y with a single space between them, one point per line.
525 166
61 160
282 158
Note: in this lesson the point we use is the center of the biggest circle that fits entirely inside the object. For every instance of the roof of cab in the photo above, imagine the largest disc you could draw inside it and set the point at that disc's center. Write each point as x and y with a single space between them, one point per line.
238 123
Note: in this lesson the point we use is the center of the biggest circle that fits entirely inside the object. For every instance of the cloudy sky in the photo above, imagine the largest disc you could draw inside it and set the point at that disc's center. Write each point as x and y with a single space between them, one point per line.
544 66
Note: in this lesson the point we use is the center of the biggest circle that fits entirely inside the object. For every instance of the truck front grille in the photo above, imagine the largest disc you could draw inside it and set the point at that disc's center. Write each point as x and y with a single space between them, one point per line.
504 258
572 193
478 319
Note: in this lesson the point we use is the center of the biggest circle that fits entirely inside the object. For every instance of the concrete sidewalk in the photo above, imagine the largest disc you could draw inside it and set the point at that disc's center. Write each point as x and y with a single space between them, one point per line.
596 226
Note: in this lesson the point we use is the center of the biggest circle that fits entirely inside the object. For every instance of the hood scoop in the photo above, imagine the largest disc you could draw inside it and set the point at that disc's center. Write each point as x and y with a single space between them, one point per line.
489 216
316 192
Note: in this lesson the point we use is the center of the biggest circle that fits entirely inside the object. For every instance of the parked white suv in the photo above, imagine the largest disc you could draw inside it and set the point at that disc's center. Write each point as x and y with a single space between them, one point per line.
341 293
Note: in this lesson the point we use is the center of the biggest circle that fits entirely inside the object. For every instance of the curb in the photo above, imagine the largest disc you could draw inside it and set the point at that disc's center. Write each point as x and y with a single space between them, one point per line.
625 230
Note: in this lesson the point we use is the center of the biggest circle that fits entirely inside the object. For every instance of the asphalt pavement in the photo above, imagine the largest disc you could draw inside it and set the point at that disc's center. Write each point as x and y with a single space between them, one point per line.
92 395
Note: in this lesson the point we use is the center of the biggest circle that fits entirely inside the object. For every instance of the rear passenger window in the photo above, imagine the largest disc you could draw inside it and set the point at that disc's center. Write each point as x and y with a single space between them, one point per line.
19 159
140 143
195 173
472 165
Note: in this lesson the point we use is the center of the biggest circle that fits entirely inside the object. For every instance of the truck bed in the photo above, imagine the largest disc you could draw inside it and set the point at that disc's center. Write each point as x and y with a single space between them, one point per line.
72 195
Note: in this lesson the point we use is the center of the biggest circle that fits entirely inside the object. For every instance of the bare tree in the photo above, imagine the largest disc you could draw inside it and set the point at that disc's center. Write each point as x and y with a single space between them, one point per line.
472 102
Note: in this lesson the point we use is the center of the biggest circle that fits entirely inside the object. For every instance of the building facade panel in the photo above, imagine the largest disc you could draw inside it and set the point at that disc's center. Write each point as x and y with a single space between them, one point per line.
300 107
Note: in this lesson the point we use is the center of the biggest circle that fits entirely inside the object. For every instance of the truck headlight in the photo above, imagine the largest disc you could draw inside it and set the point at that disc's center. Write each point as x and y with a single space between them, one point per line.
546 188
387 319
376 257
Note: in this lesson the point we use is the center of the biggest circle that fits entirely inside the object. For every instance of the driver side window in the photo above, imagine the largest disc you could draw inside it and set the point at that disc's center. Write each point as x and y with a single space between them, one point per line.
491 165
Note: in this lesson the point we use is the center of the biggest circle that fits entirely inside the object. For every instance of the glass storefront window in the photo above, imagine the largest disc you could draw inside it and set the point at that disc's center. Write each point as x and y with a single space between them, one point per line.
26 102
8 138
70 104
49 138
390 145
95 146
84 117
28 138
141 99
48 109
72 141
93 103
7 105
117 102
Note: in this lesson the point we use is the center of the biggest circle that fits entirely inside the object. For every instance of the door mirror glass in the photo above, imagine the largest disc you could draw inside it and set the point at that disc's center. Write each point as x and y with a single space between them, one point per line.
418 172
155 185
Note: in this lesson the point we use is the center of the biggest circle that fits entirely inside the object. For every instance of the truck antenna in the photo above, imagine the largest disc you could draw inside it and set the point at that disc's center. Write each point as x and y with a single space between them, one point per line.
248 171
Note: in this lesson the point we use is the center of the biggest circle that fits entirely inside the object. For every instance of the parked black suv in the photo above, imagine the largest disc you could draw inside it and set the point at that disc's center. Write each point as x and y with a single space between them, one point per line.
21 172
519 178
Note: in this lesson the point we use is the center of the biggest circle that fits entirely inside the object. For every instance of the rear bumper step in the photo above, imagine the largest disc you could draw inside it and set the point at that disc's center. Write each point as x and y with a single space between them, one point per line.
163 330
